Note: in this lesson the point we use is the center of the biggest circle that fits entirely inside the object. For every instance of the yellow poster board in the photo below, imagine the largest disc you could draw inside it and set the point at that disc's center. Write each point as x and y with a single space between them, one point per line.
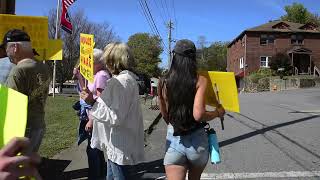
13 114
222 87
86 56
35 26
54 51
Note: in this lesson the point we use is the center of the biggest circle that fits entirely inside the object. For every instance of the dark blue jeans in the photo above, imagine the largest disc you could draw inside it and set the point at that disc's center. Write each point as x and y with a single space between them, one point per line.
96 162
121 172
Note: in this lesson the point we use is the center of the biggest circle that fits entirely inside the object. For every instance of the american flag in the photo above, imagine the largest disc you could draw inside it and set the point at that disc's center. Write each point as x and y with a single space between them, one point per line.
65 18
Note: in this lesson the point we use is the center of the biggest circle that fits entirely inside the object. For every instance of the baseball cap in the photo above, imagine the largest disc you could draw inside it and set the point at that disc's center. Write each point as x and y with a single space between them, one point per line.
185 47
16 35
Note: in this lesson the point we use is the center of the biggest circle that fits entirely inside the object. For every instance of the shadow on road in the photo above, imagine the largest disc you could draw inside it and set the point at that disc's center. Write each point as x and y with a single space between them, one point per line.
53 169
263 130
300 161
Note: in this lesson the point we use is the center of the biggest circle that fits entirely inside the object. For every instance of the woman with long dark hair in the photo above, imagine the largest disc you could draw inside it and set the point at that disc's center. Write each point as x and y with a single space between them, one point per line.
182 104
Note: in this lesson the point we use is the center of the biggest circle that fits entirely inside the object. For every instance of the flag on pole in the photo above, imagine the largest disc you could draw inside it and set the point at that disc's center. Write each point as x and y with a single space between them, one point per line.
65 18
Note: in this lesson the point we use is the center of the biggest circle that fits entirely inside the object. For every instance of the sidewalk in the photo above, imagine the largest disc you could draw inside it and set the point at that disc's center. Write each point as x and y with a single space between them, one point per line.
72 163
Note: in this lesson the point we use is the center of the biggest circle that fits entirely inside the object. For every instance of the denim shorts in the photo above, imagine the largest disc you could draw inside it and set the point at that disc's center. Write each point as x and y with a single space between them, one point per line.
191 149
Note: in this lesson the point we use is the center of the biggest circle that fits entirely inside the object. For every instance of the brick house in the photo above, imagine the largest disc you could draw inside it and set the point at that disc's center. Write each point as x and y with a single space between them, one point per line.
254 47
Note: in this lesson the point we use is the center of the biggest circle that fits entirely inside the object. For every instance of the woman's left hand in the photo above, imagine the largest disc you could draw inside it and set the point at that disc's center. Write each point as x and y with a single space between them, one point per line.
87 96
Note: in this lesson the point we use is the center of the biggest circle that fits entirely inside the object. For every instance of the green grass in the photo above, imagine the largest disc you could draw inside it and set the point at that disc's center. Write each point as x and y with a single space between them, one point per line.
62 124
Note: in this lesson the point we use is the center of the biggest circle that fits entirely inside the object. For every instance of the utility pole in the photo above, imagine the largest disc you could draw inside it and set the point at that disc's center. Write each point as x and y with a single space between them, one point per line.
7 7
170 27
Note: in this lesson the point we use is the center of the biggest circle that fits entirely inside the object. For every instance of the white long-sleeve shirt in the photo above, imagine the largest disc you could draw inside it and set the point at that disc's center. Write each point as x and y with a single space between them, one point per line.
117 121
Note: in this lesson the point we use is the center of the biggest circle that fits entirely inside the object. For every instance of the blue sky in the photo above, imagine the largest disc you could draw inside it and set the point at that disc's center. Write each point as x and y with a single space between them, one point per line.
217 20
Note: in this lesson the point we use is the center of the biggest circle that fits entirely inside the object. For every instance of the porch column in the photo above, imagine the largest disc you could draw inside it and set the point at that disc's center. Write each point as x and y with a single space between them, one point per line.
293 70
310 64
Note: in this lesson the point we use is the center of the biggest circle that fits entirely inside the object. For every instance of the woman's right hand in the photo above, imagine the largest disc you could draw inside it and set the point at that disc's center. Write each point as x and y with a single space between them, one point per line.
87 96
221 111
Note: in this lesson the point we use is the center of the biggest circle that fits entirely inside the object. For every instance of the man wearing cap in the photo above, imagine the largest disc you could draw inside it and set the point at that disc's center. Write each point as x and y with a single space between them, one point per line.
29 77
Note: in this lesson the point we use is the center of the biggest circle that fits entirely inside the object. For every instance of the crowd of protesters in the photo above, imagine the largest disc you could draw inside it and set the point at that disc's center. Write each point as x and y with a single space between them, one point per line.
109 111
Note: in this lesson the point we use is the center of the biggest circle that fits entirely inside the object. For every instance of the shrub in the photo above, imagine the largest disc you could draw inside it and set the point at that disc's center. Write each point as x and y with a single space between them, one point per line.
281 60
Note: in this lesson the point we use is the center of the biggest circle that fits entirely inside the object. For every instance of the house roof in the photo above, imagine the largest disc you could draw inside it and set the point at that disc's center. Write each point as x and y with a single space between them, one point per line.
275 26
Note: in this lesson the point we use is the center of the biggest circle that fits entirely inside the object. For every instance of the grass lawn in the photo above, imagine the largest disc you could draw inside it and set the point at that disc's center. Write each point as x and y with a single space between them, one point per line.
62 124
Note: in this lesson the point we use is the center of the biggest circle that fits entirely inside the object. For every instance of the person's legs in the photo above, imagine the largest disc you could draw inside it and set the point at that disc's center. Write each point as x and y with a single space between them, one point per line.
175 172
96 163
121 172
197 163
109 171
197 154
195 172
175 164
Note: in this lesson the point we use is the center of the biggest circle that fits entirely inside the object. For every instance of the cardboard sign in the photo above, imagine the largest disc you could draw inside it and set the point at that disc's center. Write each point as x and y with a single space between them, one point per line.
222 89
86 56
13 114
53 52
36 27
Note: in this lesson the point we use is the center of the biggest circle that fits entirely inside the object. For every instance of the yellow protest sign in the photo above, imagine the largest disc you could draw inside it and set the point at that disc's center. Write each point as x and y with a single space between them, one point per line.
53 52
35 26
13 114
222 87
86 56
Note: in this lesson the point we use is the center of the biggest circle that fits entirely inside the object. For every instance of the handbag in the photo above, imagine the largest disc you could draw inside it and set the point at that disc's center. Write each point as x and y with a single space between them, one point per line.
213 146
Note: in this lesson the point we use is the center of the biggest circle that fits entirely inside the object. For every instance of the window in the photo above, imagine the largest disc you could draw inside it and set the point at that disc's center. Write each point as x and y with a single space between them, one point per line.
263 39
264 61
241 62
266 39
297 39
270 39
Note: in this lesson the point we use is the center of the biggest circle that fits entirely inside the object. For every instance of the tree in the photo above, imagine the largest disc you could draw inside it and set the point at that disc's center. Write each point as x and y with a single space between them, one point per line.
299 14
146 50
280 64
215 57
202 52
103 34
315 18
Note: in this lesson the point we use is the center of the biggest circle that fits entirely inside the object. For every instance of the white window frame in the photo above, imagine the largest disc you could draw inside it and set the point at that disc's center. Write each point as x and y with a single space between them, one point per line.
241 60
268 58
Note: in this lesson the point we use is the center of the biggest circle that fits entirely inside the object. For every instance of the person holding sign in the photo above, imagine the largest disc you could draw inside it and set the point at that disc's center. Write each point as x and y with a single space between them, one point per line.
96 160
117 115
29 77
182 104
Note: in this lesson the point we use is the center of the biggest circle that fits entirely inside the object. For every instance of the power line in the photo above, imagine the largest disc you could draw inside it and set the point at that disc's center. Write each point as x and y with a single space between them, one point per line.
152 20
166 4
166 12
147 17
160 12
175 18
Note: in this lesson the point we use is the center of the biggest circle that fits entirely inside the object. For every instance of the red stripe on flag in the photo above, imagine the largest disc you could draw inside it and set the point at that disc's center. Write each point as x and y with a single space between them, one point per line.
69 2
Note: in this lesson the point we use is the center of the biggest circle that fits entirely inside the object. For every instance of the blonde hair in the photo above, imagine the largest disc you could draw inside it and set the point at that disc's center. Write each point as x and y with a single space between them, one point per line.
118 57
